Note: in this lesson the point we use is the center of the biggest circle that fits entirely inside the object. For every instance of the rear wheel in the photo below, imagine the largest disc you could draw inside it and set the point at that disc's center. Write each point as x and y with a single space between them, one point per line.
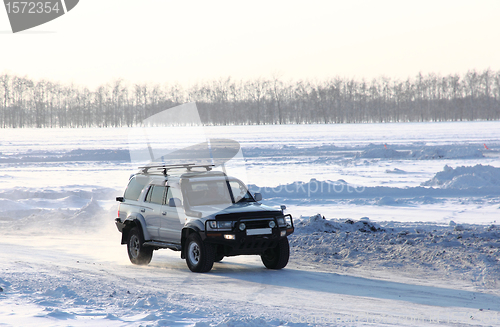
137 253
200 256
277 258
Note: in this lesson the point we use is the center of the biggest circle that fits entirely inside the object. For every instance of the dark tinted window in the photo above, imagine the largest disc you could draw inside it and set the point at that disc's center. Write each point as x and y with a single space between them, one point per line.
134 188
157 194
169 195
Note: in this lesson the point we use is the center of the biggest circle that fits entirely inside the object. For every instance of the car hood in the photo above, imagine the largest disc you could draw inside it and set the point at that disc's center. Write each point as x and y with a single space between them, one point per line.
249 207
237 209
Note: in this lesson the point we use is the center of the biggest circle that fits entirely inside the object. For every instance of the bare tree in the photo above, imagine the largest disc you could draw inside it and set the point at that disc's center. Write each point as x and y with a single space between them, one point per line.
474 95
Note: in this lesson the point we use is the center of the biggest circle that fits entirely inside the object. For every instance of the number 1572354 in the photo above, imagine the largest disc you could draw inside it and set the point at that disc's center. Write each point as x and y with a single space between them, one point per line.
32 7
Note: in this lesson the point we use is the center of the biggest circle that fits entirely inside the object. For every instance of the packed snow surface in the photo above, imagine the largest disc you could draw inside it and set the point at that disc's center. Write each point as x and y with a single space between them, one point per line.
406 234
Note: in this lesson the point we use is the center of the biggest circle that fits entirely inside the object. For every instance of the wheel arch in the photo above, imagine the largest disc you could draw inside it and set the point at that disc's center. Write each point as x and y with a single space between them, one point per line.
186 231
131 222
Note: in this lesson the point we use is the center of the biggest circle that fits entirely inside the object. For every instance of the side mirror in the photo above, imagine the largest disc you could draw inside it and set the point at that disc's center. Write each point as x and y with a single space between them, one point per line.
174 202
120 199
283 207
258 196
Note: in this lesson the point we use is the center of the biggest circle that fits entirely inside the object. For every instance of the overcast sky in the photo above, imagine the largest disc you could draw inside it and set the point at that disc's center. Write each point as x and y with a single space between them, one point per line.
163 41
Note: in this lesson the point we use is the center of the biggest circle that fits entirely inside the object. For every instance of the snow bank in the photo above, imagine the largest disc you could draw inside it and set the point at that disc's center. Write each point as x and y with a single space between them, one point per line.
319 223
71 208
467 182
395 171
63 195
463 177
244 322
423 153
327 153
290 150
382 153
466 251
448 152
312 189
63 156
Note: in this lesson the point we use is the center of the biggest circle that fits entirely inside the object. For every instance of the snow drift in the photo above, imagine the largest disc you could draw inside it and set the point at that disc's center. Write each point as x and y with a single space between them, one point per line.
70 209
65 156
476 177
422 153
477 181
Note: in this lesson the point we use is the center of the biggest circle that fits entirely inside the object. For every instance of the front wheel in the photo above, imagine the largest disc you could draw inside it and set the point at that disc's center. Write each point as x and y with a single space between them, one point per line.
200 256
137 253
277 258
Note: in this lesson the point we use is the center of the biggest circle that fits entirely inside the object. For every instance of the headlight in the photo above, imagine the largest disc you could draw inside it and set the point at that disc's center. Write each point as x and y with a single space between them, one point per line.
281 221
272 224
225 224
242 226
213 224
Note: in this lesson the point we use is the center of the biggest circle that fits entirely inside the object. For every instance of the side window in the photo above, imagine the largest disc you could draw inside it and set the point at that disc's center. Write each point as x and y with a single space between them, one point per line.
169 195
135 187
148 196
158 194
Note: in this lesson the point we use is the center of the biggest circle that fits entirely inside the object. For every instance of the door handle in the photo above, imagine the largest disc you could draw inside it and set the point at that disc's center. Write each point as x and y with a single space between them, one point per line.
164 213
143 210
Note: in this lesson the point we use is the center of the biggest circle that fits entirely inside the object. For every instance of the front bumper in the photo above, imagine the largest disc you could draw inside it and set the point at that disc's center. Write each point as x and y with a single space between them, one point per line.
251 240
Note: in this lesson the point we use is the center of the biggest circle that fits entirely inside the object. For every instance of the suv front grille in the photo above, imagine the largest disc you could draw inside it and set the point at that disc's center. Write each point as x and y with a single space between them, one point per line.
248 215
253 223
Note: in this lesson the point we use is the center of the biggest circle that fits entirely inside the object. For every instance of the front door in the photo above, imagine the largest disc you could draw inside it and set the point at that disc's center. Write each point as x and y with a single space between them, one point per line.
171 225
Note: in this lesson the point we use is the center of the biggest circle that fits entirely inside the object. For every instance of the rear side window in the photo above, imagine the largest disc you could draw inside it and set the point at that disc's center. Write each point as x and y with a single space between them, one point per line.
134 188
169 195
156 194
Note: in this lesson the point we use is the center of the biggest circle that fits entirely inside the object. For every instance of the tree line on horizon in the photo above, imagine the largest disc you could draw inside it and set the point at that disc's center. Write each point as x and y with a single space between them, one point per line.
474 95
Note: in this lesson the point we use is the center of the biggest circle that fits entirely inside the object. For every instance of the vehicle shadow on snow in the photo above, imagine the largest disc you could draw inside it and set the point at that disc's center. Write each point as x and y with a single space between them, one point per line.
358 286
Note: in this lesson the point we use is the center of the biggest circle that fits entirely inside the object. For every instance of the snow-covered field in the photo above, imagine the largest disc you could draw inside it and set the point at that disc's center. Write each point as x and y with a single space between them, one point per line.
410 234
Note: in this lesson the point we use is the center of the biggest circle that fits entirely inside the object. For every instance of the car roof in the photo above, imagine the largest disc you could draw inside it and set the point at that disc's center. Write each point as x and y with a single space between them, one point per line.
160 178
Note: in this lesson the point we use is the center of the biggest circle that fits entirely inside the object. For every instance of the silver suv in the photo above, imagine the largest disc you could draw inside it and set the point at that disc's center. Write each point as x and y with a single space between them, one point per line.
204 214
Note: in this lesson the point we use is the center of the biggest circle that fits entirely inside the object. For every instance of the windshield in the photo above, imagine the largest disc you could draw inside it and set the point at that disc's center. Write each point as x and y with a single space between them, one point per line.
215 192
240 192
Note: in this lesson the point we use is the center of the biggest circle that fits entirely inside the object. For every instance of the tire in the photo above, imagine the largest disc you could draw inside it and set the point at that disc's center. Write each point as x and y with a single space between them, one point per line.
138 254
277 258
200 256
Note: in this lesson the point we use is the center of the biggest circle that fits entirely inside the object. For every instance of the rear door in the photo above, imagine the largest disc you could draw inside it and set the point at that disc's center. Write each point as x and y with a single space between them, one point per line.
152 210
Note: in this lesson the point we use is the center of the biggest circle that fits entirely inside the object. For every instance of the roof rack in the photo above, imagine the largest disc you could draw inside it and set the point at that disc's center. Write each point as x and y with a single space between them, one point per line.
165 168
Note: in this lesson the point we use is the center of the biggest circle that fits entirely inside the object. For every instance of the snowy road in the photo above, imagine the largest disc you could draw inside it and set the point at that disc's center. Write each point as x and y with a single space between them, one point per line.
77 280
